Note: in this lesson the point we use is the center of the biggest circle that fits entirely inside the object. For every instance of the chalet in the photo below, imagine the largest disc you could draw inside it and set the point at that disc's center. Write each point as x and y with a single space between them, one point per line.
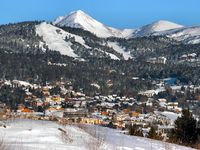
188 57
162 102
56 98
148 93
95 121
152 60
47 99
172 106
159 60
45 91
26 110
17 83
135 114
104 113
183 57
74 114
20 107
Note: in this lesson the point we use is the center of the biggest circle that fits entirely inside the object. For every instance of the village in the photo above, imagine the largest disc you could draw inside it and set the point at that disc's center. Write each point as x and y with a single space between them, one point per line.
69 107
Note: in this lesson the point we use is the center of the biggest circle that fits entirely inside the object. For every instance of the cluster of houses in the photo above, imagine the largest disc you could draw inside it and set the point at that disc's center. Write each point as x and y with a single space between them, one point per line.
188 57
69 106
157 60
191 57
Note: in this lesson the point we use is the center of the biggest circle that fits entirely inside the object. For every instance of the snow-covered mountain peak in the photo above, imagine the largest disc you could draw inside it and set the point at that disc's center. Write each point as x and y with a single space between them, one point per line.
79 19
163 25
156 27
78 12
74 19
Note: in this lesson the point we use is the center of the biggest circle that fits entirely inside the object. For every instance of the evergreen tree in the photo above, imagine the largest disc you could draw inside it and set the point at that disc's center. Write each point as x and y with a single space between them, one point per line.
154 135
134 130
186 131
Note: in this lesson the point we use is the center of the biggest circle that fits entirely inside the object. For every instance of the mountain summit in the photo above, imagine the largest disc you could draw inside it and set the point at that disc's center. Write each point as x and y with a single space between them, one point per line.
155 27
79 19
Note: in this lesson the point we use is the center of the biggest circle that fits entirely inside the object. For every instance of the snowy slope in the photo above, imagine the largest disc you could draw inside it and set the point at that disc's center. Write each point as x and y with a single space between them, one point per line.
112 56
22 83
42 135
170 115
120 50
55 39
79 19
116 140
156 27
189 35
128 33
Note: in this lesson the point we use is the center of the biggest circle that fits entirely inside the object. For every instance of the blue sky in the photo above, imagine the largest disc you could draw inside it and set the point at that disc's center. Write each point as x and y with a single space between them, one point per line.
116 13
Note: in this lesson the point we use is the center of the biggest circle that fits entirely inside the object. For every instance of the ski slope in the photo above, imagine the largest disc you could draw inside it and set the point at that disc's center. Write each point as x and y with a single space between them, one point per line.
120 50
55 39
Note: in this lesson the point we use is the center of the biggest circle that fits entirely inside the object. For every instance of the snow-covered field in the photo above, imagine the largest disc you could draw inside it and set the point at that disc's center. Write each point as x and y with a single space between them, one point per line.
116 140
43 135
46 135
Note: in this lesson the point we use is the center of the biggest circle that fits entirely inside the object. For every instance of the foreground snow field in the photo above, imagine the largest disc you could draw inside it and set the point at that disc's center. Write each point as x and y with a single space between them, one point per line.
46 135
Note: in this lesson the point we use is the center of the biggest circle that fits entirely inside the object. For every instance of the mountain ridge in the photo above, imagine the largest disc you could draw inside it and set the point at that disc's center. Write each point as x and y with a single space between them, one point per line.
79 19
155 27
162 38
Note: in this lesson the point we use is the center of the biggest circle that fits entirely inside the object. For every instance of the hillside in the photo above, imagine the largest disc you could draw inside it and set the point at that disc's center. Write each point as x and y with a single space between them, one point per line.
79 19
77 35
32 51
41 135
39 37
156 27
